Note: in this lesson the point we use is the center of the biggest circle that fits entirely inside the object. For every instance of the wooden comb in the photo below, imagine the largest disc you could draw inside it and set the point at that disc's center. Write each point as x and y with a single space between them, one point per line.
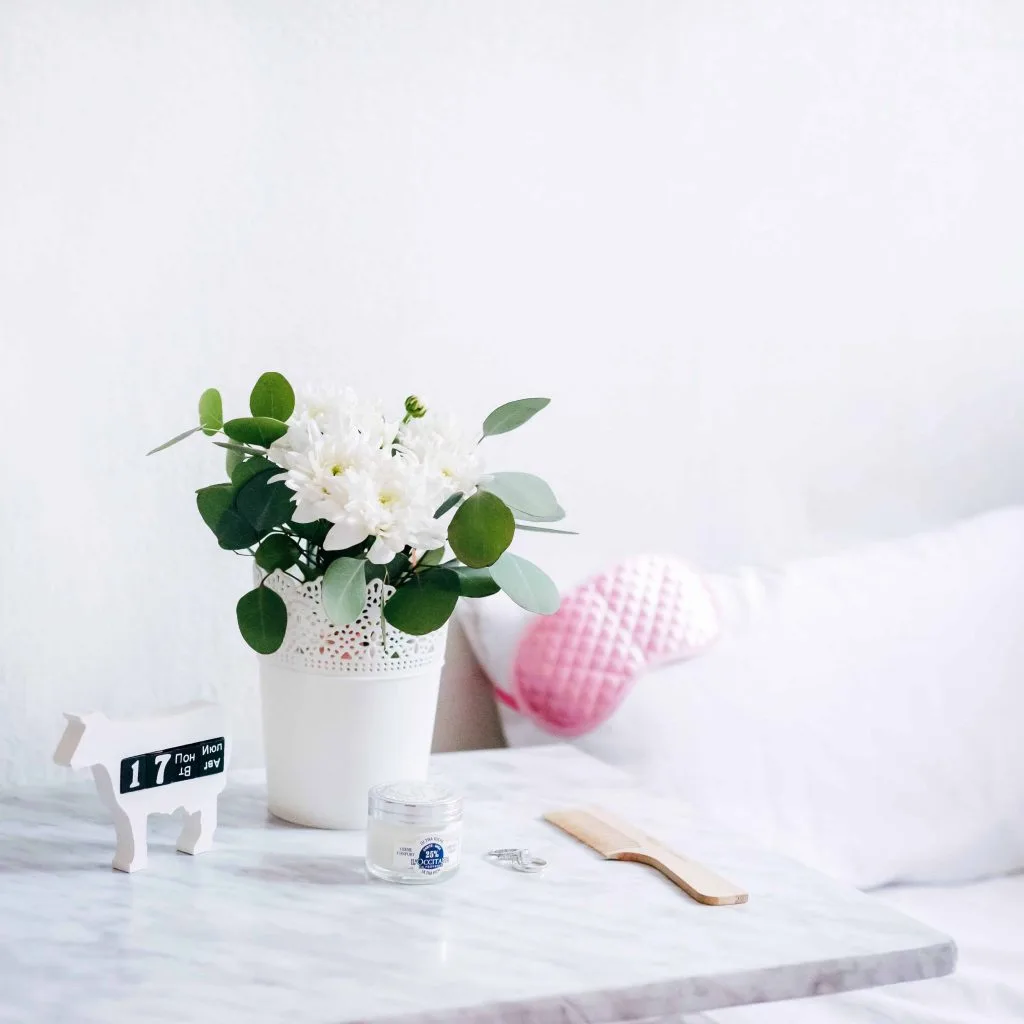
616 840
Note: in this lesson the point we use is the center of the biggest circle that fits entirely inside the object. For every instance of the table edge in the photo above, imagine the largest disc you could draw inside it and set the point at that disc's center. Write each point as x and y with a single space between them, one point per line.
669 999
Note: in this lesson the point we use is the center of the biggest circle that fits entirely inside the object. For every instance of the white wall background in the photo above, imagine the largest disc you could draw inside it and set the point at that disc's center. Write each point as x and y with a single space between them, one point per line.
767 259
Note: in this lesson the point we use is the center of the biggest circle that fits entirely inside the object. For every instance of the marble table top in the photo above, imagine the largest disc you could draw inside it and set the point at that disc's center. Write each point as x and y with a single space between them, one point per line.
280 923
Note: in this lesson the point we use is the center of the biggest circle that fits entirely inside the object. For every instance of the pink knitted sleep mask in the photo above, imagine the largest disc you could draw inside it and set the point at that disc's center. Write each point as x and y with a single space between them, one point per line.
573 669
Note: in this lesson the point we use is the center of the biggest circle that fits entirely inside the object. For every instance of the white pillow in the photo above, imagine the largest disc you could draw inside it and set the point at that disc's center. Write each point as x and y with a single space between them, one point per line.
862 711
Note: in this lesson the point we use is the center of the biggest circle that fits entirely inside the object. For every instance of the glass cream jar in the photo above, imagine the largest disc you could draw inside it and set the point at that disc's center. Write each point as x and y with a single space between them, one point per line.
413 832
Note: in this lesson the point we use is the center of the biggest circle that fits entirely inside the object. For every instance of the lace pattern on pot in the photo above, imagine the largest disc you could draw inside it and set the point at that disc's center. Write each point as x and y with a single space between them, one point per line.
313 642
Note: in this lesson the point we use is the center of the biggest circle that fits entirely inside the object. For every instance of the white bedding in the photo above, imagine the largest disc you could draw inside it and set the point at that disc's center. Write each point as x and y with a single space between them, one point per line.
986 919
872 700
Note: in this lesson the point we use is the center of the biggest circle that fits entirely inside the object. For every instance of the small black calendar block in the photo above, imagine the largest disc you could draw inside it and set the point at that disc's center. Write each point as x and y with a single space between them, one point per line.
175 764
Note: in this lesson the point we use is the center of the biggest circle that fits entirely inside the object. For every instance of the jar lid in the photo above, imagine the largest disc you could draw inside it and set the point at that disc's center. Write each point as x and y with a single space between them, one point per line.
420 803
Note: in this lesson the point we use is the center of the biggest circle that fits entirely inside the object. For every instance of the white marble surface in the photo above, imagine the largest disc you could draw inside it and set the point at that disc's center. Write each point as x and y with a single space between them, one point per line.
281 924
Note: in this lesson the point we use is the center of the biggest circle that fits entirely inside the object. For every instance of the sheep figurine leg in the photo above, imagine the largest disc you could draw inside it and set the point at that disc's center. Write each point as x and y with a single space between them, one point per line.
131 853
197 832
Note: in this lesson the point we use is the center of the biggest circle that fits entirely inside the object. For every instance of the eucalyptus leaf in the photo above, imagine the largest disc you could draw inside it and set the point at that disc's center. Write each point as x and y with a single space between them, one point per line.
475 582
532 528
262 619
315 532
235 532
449 503
211 411
277 552
258 430
213 502
481 529
174 440
344 590
394 569
216 506
390 571
234 446
432 557
232 459
530 587
513 414
263 504
554 517
524 493
272 396
250 467
424 603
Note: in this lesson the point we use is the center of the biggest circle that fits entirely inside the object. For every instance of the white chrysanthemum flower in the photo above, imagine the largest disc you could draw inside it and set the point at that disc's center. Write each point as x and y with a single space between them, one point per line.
394 502
372 477
318 471
447 449
337 412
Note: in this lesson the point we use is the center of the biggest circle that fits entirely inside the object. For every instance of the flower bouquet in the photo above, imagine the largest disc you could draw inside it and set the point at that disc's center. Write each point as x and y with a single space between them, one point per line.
329 485
366 527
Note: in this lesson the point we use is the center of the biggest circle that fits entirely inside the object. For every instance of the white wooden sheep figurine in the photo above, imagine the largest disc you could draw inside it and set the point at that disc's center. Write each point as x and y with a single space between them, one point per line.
172 760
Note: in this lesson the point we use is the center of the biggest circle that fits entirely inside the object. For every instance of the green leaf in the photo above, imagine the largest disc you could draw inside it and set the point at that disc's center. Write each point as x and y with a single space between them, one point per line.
232 459
545 529
395 567
314 532
277 552
432 557
213 502
173 440
263 504
234 446
449 503
211 411
344 590
513 414
475 582
424 603
258 430
523 493
250 467
481 529
272 396
558 513
262 619
216 506
530 587
390 571
235 532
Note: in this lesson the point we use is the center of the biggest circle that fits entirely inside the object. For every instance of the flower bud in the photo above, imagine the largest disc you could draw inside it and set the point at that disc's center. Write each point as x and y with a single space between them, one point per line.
415 408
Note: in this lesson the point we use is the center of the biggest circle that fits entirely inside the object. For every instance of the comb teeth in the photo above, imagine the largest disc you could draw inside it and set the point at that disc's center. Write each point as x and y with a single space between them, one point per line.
588 828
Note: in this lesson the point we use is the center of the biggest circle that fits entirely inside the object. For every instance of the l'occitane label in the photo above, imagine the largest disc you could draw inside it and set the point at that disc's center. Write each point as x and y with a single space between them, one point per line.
428 854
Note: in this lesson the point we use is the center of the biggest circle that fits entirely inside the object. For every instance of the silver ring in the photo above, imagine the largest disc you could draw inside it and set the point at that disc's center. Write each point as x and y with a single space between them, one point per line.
531 866
517 859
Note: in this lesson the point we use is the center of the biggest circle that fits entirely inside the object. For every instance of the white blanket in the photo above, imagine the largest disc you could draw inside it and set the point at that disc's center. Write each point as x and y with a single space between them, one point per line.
986 919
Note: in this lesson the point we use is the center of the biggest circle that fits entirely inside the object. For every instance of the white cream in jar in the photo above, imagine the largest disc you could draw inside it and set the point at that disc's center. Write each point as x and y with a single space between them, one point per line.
413 832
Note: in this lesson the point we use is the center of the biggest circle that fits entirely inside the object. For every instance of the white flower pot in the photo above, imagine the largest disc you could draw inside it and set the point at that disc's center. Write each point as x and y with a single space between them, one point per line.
342 711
